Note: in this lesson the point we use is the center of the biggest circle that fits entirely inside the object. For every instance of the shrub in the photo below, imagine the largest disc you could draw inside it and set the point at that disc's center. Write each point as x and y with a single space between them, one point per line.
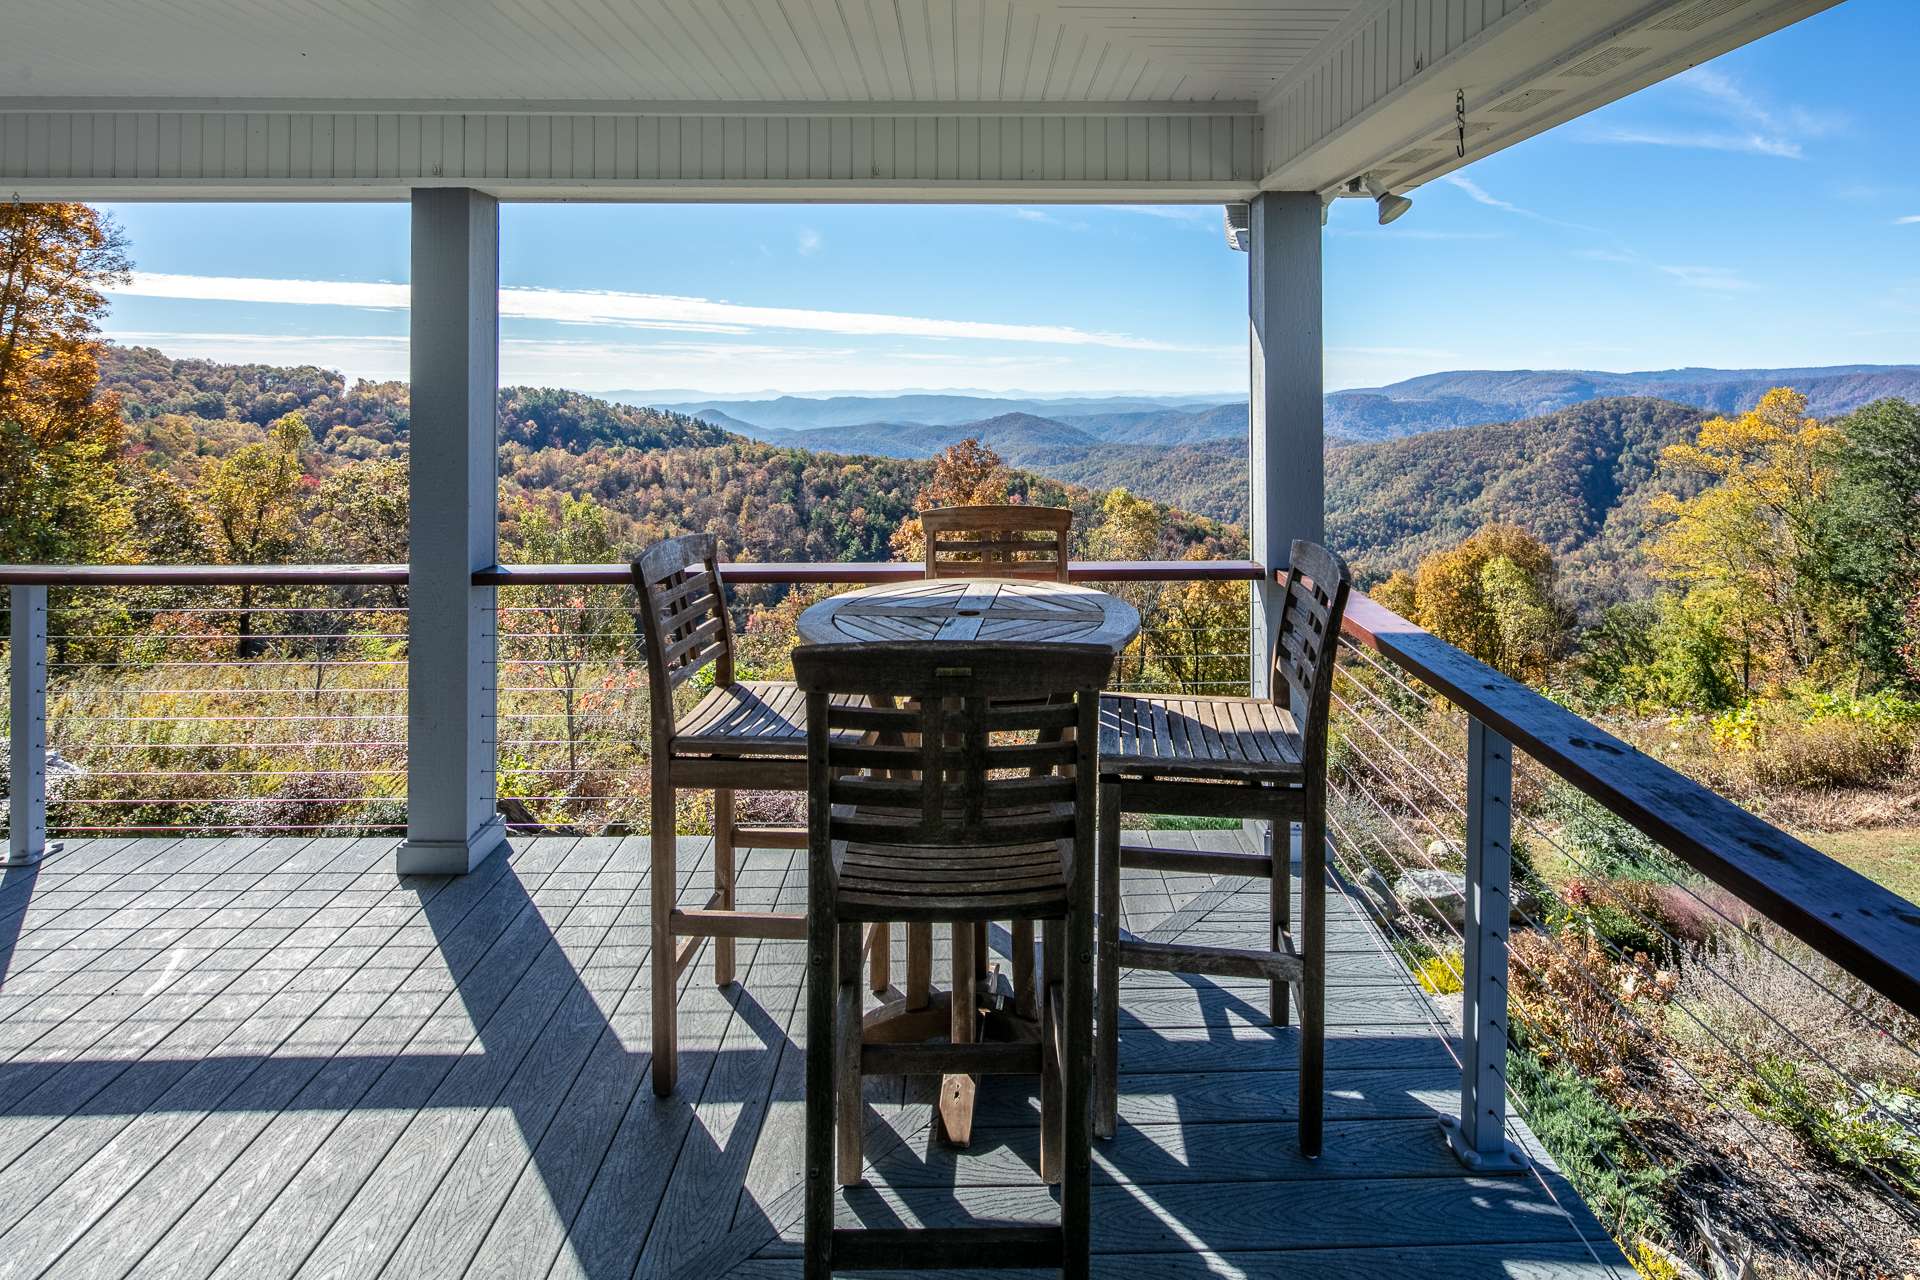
1590 1138
1756 997
1582 1008
1441 974
1607 846
1819 739
1850 1132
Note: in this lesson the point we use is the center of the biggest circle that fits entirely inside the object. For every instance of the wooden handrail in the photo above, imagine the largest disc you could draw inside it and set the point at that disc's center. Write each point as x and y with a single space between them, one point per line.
862 573
1866 929
201 575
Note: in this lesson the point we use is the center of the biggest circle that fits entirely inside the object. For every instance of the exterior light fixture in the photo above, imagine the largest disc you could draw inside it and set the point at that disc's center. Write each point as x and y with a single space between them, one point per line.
1391 205
1239 227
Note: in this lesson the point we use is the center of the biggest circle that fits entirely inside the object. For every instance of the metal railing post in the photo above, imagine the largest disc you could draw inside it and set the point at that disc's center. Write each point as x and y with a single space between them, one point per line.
1479 1135
27 789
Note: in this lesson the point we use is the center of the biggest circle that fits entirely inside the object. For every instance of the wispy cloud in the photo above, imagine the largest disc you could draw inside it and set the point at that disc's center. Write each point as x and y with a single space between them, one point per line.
1415 233
629 310
1907 220
1743 122
1722 279
1480 195
809 241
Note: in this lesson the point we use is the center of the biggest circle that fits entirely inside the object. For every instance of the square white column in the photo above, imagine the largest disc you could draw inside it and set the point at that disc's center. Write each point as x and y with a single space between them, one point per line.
453 482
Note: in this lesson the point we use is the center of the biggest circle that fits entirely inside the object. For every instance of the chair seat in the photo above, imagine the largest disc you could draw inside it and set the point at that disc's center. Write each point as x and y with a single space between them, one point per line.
750 718
1227 739
916 883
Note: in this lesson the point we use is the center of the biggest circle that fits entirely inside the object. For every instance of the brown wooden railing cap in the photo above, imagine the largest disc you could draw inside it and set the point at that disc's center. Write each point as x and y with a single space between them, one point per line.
1865 928
862 573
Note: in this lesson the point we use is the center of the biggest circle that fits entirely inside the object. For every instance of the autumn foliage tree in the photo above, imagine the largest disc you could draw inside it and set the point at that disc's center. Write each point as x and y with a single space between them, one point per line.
1493 596
60 499
1744 552
967 474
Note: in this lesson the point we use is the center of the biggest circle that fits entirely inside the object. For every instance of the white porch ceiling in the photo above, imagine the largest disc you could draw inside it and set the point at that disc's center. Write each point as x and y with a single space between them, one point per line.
809 99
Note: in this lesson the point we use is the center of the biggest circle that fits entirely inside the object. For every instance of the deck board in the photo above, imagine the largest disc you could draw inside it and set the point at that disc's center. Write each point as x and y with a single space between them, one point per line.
273 1058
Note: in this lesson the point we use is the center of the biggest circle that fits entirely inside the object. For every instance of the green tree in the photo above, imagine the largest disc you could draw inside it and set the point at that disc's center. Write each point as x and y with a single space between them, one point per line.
568 630
1872 536
251 503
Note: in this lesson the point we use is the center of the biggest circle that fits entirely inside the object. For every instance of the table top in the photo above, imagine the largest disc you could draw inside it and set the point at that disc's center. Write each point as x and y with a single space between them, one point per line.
973 609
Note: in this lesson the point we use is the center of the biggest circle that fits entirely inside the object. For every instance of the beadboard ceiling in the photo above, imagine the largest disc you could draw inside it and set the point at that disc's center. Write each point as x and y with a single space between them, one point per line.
822 51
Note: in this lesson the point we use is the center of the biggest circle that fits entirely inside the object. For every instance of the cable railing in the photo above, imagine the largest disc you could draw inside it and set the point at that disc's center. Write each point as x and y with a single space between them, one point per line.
1710 1025
272 700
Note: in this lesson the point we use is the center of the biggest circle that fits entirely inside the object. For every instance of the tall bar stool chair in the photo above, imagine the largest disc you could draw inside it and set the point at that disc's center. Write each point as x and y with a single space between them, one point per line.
745 734
1007 541
986 812
1263 758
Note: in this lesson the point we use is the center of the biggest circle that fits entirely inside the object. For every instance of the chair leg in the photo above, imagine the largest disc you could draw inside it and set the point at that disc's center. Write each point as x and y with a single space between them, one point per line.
880 956
1279 908
1106 1084
1052 1114
919 965
822 986
663 887
846 1058
723 881
1025 1003
1313 980
1076 1077
957 1091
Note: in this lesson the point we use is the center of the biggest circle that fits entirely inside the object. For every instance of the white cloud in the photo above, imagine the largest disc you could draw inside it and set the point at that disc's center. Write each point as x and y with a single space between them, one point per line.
809 241
1481 195
629 310
1717 278
1907 220
1752 126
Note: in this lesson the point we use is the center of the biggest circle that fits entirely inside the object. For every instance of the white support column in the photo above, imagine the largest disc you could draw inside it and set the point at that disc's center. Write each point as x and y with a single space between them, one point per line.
452 478
1287 419
1479 1135
27 679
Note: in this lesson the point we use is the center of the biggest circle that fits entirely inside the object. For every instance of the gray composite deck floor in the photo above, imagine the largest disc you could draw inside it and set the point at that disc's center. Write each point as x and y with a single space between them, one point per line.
270 1058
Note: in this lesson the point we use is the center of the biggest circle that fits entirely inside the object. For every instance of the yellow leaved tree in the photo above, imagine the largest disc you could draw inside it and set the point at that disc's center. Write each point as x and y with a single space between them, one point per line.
1740 550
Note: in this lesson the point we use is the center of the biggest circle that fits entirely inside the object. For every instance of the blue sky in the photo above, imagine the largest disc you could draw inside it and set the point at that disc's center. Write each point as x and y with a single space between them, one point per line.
1763 210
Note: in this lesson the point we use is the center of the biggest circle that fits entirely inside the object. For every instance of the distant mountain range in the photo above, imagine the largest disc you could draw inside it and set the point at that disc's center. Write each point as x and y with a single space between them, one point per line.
913 426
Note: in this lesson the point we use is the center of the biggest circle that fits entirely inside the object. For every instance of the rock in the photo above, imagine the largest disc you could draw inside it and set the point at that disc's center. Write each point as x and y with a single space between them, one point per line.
1439 895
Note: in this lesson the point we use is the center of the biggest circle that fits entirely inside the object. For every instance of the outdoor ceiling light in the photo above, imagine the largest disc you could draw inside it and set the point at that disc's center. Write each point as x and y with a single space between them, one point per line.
1391 205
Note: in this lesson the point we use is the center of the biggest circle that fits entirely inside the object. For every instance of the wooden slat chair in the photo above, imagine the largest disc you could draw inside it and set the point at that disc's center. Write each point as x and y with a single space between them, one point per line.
744 735
976 816
1010 541
1262 758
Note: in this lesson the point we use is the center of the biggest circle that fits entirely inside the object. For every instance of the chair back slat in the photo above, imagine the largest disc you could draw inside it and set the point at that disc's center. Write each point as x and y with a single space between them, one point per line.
684 622
1005 541
953 753
1308 644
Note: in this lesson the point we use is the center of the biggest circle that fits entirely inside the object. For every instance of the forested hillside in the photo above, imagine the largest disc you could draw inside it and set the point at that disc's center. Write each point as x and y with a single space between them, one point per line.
1581 479
651 472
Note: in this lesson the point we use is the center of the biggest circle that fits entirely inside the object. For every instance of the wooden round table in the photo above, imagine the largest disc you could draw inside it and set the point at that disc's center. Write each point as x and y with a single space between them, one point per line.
959 609
973 609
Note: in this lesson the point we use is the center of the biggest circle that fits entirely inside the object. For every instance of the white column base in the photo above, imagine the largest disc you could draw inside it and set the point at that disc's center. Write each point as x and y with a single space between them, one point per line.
449 857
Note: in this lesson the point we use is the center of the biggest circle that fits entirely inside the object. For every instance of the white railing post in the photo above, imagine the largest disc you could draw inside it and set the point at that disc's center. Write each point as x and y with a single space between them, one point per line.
27 789
1479 1135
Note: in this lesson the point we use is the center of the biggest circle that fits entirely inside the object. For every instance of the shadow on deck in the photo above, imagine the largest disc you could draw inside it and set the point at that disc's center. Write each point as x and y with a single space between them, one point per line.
269 1058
